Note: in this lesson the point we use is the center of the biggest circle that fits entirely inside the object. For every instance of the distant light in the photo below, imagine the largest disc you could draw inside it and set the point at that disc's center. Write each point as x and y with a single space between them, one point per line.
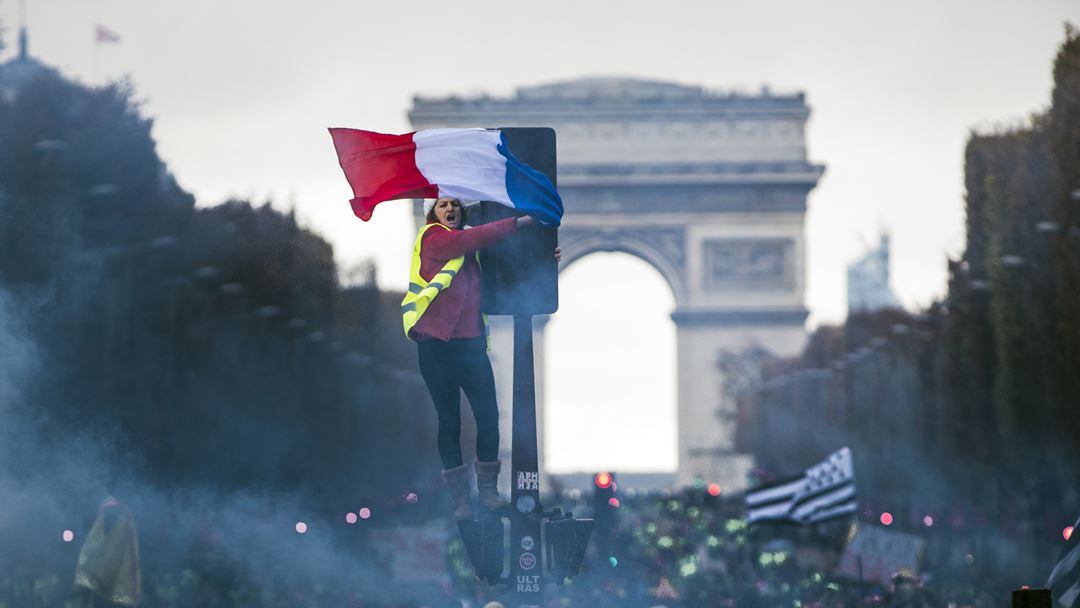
1067 532
1012 261
350 517
714 489
411 498
1025 587
68 536
206 272
48 145
928 521
103 190
614 562
886 519
301 527
613 502
1048 227
365 513
268 311
163 242
603 480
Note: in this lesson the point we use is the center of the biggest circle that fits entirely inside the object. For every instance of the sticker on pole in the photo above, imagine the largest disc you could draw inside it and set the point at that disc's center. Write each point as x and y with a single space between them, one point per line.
528 480
528 583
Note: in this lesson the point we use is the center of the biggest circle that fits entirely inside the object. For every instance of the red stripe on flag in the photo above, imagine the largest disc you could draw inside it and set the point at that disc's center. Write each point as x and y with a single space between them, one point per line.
379 167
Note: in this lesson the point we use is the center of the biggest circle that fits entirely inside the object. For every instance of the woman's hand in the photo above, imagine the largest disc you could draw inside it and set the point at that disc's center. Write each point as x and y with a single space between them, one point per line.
526 220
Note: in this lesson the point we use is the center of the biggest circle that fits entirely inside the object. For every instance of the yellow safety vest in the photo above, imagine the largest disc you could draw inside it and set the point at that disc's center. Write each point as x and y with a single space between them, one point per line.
422 293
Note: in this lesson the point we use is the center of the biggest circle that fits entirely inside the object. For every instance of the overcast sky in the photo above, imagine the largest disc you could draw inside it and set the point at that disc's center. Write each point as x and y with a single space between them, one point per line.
242 91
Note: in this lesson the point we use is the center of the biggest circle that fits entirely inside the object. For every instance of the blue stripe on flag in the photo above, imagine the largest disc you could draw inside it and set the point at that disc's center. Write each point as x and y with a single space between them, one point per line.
530 190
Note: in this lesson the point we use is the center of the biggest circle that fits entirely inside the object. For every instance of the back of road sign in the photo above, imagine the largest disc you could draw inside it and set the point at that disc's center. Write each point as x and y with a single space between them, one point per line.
520 274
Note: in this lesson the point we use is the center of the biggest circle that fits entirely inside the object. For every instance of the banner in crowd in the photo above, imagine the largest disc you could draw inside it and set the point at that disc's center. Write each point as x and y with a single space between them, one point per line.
876 553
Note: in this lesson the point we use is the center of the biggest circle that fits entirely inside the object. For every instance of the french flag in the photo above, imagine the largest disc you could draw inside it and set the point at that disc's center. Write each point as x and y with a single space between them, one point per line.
466 164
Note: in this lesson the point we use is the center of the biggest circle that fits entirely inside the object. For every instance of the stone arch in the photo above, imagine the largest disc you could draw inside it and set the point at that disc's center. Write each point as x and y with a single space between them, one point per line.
664 252
708 188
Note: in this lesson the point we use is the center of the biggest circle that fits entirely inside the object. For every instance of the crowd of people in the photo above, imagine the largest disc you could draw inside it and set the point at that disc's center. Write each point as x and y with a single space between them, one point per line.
683 549
690 549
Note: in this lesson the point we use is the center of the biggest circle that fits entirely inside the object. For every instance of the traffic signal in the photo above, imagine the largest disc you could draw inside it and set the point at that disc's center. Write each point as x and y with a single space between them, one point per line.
604 500
603 480
567 540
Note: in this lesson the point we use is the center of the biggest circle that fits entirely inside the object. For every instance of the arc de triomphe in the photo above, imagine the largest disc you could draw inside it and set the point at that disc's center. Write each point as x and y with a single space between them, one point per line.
710 189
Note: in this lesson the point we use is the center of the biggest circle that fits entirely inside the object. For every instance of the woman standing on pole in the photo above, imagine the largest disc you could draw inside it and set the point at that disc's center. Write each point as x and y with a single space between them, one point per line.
441 312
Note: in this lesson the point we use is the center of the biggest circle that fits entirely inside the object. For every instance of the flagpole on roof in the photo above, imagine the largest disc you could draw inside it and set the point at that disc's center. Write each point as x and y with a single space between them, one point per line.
23 51
94 56
101 36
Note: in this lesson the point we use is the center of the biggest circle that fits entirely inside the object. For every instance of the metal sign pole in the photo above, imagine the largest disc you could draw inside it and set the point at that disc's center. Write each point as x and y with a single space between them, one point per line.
526 567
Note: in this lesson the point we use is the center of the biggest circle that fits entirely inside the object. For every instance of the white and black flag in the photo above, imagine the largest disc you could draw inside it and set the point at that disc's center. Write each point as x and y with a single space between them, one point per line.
824 491
1064 581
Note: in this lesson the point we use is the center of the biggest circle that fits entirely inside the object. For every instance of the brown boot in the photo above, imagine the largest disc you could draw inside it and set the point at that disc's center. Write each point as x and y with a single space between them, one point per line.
457 480
487 484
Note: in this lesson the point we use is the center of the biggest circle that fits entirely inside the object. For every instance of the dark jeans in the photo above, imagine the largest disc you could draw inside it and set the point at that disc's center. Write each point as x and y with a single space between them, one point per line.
448 368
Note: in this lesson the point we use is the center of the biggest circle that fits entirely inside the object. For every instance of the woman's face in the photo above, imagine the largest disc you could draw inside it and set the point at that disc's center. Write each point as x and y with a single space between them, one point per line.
448 212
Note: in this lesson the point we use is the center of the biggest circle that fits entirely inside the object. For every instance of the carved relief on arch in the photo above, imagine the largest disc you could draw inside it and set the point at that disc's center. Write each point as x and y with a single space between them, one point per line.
662 248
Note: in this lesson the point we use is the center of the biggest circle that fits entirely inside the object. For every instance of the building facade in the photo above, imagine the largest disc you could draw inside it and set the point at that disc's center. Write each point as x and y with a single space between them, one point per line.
868 281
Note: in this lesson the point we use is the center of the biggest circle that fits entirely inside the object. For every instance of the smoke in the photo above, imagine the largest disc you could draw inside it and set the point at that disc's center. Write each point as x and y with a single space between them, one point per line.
241 543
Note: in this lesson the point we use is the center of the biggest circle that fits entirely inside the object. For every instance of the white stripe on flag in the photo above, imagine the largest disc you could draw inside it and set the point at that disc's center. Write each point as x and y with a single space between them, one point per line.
1068 599
1065 566
841 509
464 163
777 511
824 501
769 494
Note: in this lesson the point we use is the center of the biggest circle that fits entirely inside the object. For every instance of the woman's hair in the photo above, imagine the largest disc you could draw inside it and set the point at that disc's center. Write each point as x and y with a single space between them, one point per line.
464 215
